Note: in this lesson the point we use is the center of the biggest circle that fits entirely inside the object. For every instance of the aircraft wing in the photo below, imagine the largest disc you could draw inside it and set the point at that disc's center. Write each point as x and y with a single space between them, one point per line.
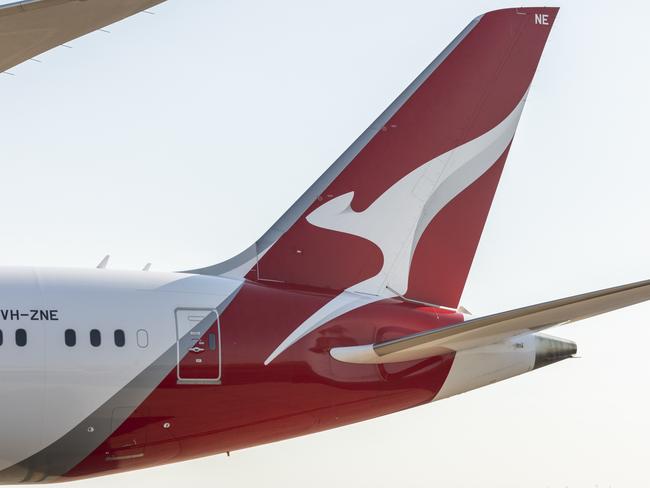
495 328
31 27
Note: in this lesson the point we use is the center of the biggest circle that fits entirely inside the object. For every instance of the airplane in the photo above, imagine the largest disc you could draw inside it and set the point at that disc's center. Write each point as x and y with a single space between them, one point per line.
346 309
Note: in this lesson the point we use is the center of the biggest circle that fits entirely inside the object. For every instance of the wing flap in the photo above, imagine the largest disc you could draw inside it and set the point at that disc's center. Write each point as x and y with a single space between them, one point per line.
32 27
495 328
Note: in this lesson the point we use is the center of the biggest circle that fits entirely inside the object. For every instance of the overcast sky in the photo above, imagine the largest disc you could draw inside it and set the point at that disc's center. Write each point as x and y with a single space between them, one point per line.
180 137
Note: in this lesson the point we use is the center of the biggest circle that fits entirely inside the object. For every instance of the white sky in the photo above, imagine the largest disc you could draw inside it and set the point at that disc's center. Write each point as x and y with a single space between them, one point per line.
180 137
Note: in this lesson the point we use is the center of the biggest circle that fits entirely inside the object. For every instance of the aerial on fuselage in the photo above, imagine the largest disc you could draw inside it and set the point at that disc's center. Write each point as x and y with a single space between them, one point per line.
346 309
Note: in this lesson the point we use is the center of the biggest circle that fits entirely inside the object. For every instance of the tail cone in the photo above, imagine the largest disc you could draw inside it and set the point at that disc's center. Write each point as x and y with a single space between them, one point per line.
549 350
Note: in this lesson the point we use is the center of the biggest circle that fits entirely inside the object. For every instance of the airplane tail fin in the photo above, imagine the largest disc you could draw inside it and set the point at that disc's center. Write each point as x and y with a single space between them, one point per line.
402 210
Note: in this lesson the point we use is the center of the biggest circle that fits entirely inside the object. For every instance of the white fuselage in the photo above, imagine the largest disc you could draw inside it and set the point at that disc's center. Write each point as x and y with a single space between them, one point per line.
68 381
48 387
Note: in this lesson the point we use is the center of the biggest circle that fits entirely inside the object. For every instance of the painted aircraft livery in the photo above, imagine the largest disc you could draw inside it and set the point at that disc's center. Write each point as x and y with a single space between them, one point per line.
346 309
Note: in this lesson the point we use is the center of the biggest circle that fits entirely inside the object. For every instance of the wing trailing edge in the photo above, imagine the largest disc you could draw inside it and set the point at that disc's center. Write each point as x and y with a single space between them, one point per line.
32 27
495 328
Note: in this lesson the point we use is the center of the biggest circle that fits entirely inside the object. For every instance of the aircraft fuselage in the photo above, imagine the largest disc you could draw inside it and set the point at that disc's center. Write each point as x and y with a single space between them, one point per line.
106 350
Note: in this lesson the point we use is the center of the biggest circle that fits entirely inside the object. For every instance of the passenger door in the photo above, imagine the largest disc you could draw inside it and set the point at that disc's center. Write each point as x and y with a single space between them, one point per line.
198 343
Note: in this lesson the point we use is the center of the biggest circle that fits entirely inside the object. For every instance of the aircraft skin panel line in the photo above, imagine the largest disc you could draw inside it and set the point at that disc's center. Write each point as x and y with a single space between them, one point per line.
105 371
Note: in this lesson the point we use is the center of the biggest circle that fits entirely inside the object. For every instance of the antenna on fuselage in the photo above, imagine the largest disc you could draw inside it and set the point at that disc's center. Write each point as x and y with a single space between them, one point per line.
104 262
147 267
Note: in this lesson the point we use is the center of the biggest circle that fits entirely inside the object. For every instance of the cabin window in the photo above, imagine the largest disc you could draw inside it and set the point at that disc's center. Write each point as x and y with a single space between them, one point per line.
70 338
143 338
21 337
95 338
120 338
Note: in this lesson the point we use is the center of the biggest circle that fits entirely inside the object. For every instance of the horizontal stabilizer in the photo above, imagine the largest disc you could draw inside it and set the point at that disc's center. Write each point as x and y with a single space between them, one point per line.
32 27
494 328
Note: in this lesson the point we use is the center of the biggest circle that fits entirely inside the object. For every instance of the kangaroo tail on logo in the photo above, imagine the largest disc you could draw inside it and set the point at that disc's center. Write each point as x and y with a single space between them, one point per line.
403 209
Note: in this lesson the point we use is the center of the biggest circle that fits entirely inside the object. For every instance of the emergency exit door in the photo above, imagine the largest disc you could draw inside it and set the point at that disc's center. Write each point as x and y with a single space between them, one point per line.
198 342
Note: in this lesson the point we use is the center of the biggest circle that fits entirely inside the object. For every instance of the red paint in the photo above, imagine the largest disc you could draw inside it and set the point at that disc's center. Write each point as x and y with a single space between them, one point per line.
304 390
473 90
445 252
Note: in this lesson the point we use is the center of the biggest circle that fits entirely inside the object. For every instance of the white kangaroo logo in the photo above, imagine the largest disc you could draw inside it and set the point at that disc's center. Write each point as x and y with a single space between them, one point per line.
396 220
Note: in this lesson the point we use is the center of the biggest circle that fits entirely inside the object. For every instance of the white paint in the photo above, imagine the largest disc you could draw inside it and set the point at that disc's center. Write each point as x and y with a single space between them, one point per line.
391 221
341 304
570 177
394 222
481 366
48 387
541 19
364 354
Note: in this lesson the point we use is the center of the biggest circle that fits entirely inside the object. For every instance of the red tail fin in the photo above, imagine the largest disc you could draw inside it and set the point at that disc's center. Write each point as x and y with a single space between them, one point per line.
403 209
